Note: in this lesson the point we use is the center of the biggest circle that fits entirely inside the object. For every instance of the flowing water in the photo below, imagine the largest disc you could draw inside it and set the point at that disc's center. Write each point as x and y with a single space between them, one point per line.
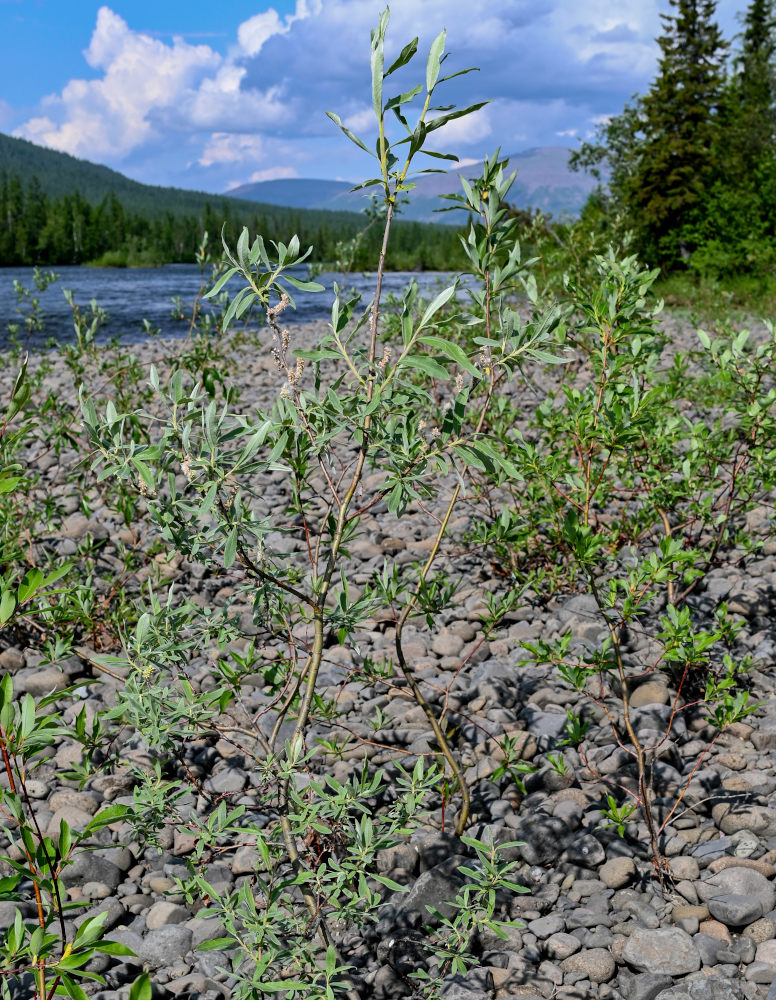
130 295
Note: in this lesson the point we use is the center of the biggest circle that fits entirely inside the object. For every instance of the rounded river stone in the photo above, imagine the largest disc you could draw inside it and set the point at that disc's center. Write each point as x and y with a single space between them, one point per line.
664 951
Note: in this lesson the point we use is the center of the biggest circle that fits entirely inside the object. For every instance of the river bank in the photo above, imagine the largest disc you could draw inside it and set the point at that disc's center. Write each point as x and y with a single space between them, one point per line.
594 922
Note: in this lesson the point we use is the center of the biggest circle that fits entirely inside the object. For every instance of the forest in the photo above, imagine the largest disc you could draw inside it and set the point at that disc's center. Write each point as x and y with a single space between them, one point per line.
69 229
690 166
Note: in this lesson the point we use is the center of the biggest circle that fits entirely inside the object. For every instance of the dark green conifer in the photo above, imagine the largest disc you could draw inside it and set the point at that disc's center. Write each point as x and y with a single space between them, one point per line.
752 93
680 123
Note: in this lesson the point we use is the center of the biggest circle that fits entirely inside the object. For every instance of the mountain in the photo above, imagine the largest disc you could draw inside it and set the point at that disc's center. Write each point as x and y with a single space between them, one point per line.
543 181
294 192
60 174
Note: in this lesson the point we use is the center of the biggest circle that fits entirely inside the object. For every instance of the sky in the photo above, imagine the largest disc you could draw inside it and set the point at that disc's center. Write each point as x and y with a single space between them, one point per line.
213 95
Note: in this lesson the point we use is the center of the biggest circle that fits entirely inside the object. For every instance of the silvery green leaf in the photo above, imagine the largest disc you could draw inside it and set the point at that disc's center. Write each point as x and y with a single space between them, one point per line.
444 296
351 135
304 286
221 282
230 549
405 98
435 60
435 123
404 57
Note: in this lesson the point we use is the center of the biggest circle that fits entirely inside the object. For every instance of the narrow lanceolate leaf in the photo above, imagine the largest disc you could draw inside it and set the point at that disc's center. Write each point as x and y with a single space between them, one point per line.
115 813
8 886
372 182
56 574
9 484
444 296
234 305
404 57
31 581
145 473
377 71
230 549
141 988
217 944
142 627
405 98
277 986
65 838
27 716
438 156
303 286
229 273
243 249
454 352
112 948
346 131
74 961
434 60
389 883
71 989
441 120
460 72
426 364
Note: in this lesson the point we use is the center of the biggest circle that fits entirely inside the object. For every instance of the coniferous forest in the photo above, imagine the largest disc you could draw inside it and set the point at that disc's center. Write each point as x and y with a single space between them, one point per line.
56 210
690 166
70 230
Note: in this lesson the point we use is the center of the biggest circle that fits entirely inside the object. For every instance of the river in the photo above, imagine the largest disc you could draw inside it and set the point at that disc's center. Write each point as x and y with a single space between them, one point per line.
130 295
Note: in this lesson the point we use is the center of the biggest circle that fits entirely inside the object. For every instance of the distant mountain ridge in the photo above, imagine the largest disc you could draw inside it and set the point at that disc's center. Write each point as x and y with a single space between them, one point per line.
296 192
543 181
61 174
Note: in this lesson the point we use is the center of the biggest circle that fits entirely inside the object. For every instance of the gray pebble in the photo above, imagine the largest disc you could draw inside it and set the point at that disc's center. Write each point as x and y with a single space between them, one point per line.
162 946
663 951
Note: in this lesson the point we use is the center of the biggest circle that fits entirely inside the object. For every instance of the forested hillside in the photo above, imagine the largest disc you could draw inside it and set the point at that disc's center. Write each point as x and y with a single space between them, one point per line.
59 174
56 209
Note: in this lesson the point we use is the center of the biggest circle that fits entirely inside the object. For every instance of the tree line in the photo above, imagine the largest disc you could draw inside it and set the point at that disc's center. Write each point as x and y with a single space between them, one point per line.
43 230
690 166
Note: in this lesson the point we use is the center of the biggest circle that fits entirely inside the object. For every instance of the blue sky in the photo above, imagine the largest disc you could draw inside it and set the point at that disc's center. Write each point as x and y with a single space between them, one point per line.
209 96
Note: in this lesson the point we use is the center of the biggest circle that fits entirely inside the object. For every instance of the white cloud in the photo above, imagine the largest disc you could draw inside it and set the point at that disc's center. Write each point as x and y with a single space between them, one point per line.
273 174
360 121
112 115
550 67
253 33
225 147
149 90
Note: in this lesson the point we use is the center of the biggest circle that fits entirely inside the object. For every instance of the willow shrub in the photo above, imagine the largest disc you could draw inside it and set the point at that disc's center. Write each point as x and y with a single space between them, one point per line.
638 473
407 414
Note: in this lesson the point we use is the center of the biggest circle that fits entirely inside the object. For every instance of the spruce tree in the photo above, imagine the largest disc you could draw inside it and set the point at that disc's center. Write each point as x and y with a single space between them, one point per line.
678 157
739 221
752 94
